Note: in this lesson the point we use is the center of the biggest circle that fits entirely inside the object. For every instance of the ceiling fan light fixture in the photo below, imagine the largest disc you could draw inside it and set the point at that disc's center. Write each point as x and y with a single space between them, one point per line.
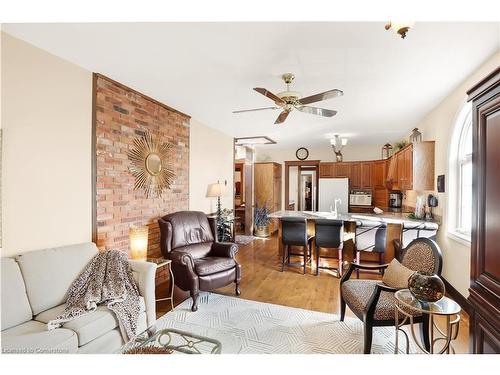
400 27
289 100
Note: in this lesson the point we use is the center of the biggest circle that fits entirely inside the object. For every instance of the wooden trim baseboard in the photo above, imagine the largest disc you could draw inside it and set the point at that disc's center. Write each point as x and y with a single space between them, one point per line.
457 297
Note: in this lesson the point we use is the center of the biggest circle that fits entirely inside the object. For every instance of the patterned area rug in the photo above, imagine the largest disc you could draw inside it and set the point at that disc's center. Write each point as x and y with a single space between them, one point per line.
244 326
243 240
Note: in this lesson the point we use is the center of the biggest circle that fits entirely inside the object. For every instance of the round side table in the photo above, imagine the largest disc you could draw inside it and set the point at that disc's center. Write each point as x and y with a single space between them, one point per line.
407 303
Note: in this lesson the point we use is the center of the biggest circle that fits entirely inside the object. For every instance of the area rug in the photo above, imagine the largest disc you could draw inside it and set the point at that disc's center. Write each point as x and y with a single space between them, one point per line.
243 240
244 326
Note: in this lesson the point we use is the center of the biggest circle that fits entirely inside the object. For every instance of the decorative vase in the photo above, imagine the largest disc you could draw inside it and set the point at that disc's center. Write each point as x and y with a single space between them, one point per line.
426 286
262 231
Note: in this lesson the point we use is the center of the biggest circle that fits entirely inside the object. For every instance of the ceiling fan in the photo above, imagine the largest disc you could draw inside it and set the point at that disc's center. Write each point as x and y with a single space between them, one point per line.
289 100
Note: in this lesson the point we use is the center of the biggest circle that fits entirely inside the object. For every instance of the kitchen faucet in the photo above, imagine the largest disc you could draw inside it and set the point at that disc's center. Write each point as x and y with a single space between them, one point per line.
334 211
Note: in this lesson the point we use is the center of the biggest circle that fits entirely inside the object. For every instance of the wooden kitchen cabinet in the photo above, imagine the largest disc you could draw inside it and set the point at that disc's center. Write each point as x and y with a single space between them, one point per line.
380 197
379 174
366 171
267 188
412 168
341 170
361 210
326 170
354 176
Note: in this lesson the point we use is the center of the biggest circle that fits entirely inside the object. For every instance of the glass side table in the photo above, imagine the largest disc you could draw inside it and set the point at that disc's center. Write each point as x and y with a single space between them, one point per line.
177 341
406 303
162 262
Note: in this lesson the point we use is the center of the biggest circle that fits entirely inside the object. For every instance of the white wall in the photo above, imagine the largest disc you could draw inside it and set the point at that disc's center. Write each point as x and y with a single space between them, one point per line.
324 153
46 171
438 125
210 160
351 152
46 168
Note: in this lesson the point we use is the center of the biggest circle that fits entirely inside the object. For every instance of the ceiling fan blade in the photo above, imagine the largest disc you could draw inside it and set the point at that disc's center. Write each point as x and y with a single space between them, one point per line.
269 94
255 109
317 111
282 117
323 96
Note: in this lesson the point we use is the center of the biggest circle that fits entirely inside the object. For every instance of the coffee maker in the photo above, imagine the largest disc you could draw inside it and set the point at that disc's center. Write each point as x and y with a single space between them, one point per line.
395 200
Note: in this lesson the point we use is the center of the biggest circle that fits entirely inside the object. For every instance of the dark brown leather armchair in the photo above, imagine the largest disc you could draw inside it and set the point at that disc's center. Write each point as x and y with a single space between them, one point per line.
199 262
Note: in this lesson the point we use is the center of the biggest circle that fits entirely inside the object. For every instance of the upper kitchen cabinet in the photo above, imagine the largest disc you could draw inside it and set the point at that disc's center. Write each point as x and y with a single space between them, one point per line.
354 175
366 175
327 170
379 174
342 170
338 169
412 168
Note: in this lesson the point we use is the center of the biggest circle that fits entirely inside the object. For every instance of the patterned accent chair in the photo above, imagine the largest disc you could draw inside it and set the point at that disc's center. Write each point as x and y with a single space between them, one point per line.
199 262
373 302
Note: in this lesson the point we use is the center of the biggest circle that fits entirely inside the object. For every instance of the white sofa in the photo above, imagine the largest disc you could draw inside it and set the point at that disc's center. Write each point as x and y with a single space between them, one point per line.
34 291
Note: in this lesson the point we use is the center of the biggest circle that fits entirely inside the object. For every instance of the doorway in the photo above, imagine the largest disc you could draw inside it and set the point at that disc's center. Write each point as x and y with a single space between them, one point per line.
301 185
243 190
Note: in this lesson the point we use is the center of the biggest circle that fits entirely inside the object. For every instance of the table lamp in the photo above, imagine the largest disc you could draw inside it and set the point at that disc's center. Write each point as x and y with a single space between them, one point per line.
216 190
138 237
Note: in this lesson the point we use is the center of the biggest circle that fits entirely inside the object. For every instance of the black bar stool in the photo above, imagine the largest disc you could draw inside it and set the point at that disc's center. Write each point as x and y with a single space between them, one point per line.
294 233
329 234
371 237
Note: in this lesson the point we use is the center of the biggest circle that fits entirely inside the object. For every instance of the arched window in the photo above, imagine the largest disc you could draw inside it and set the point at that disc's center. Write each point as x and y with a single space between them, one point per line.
460 174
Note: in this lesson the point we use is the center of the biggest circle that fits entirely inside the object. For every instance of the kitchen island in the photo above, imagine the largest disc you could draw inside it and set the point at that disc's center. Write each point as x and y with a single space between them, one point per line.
396 222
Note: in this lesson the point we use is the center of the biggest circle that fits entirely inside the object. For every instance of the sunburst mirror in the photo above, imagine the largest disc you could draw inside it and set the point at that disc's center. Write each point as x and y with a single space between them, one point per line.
151 165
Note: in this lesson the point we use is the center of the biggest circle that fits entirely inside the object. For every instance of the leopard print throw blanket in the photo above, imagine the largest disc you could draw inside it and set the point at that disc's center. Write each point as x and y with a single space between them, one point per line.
107 280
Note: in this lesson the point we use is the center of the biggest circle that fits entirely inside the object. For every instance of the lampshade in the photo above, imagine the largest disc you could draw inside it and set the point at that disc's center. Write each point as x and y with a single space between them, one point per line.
337 141
216 190
138 237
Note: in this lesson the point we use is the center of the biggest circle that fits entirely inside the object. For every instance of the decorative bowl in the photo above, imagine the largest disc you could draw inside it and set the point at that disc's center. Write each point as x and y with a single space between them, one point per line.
426 286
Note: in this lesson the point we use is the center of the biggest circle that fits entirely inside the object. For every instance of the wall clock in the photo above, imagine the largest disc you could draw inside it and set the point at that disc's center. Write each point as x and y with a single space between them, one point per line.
302 153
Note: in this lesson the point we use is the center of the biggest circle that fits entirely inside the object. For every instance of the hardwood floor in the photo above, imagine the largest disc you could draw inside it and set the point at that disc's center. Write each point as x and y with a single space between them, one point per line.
262 281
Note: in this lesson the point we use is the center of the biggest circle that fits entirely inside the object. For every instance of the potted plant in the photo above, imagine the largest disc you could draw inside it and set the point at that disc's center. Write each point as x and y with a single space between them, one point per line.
261 221
225 225
400 145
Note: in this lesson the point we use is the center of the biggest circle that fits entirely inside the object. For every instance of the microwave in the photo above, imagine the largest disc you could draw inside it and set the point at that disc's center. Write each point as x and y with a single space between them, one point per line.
360 198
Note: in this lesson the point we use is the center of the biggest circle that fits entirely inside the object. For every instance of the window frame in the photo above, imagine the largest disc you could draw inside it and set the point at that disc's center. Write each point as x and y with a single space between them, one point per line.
457 160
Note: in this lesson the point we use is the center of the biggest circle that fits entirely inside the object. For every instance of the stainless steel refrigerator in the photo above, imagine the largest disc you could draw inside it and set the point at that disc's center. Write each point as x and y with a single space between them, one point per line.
331 189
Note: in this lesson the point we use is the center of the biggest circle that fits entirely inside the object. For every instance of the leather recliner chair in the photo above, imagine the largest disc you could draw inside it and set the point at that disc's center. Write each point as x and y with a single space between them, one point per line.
199 262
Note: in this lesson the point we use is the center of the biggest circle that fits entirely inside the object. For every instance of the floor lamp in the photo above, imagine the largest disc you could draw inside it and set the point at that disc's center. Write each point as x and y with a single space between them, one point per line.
217 190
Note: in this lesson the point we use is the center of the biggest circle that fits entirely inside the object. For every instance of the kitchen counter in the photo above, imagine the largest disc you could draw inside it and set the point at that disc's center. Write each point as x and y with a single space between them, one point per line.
386 217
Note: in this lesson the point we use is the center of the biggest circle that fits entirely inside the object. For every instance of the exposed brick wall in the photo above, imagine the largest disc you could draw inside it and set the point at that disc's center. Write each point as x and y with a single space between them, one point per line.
121 115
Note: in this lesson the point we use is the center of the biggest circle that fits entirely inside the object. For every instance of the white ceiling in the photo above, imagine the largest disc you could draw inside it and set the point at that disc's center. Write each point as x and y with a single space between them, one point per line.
208 70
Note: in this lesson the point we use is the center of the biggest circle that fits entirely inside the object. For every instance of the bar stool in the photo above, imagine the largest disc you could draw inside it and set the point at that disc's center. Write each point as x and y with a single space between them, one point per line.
370 237
294 233
329 234
414 230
